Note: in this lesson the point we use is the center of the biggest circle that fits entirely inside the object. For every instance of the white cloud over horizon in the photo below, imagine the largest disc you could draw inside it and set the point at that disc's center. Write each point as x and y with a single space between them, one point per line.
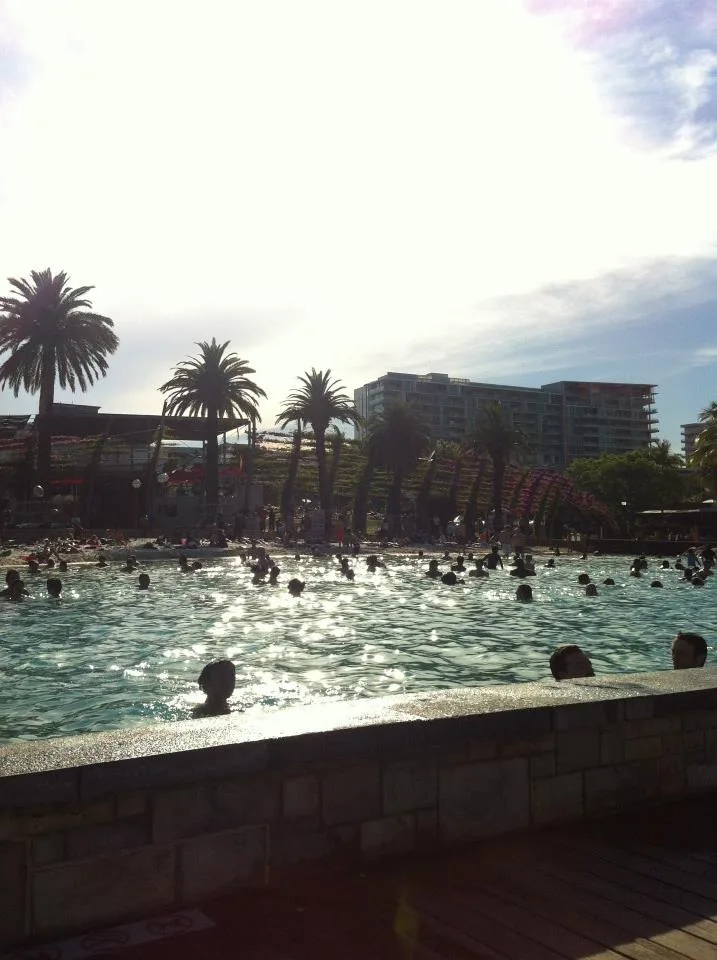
359 186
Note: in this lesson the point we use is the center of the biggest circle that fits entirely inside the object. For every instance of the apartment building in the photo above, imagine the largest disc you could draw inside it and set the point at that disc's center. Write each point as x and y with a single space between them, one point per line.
563 421
690 432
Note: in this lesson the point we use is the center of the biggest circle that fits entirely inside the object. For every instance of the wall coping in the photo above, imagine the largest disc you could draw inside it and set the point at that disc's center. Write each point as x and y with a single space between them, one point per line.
81 767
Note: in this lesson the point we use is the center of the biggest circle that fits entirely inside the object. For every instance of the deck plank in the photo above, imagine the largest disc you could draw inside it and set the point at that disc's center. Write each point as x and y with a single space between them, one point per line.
648 867
623 928
676 917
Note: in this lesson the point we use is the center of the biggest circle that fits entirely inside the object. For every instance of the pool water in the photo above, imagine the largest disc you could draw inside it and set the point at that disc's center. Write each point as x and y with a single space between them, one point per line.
110 655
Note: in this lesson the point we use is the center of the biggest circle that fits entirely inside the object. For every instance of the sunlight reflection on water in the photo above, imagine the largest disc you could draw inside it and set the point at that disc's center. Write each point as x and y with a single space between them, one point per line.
111 656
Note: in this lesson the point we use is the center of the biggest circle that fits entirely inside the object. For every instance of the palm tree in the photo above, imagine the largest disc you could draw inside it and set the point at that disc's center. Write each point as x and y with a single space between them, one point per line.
705 452
317 402
401 436
213 384
495 435
51 335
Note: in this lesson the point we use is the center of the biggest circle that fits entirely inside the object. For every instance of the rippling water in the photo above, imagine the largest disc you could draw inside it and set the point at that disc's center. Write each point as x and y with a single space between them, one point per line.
110 655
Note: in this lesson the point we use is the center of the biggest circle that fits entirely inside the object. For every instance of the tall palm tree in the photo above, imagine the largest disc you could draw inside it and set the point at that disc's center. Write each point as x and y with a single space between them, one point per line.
705 452
288 492
317 402
51 335
495 435
213 384
401 436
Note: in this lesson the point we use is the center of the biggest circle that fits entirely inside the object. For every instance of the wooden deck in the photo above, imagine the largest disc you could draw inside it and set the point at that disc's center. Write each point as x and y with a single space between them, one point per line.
644 888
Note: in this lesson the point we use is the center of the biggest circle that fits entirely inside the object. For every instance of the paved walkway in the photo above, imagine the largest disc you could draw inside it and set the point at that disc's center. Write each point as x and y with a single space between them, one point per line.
639 887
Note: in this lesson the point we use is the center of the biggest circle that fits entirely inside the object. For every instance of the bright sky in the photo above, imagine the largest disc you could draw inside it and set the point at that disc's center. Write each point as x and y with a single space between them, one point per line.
514 191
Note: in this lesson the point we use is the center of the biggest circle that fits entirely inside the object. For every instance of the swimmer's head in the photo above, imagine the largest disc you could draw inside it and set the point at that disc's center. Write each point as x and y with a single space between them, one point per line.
143 581
583 578
656 583
217 681
570 663
608 582
449 578
524 593
591 590
11 576
54 586
688 650
295 587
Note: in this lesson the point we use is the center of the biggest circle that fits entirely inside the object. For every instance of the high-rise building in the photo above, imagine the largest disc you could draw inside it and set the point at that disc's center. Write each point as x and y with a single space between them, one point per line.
562 421
690 432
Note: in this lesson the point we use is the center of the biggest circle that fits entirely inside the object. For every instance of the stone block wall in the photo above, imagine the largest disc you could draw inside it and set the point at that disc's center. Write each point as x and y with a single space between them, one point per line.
98 839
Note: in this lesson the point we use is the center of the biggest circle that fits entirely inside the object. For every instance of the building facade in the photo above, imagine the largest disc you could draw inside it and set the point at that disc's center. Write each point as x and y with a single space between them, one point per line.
690 432
563 421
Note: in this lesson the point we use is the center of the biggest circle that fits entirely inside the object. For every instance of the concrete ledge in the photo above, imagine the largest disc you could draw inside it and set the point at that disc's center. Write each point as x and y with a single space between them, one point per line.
146 817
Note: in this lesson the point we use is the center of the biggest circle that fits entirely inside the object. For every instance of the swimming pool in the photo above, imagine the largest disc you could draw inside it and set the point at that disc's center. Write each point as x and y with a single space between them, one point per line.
112 656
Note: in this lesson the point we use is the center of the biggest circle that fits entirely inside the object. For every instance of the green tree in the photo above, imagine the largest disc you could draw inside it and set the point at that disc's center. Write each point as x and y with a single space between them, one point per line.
317 402
704 457
641 479
52 336
400 436
213 384
496 436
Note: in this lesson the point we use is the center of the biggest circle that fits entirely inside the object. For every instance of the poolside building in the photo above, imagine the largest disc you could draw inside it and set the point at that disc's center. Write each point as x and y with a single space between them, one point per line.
690 432
563 421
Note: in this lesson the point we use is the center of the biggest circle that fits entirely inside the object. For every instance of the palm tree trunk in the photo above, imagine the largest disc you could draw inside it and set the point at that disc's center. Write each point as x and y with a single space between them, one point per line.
211 475
288 492
44 425
423 521
455 483
498 478
151 478
394 502
471 511
337 442
320 441
363 487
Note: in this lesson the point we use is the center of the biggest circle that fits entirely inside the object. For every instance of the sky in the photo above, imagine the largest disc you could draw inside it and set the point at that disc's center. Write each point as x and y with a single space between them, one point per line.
513 191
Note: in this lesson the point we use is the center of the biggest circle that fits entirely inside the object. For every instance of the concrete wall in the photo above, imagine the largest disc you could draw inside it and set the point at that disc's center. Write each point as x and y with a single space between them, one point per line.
99 828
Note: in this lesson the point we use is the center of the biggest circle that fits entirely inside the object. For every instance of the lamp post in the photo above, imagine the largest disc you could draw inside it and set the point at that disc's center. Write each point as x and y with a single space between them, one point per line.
136 485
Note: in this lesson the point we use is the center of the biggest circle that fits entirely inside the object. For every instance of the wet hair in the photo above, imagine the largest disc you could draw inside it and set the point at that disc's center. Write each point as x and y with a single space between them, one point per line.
449 578
62 566
583 578
591 590
11 576
559 657
608 582
54 586
218 679
665 564
524 593
295 585
656 583
143 579
697 642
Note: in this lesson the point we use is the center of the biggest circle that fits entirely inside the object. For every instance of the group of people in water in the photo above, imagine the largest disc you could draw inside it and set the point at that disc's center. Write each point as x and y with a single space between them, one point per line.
218 678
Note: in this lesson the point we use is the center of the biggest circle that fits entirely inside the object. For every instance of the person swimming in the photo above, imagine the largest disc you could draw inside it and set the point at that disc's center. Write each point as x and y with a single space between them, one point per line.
295 587
479 570
143 581
217 681
54 588
492 560
524 593
591 590
583 579
433 572
450 579
520 569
